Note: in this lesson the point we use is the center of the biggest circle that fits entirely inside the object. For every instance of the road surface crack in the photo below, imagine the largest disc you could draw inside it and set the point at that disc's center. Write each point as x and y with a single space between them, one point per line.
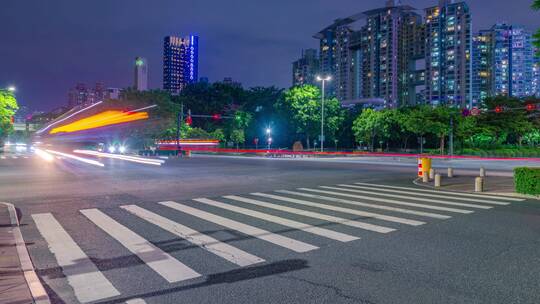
340 293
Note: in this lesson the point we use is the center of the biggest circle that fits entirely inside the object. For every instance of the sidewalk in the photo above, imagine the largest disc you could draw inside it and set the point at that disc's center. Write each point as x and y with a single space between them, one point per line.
496 185
19 283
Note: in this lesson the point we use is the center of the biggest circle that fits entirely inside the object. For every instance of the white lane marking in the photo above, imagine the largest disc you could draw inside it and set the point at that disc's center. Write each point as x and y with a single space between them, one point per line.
2 157
334 235
329 218
88 283
226 251
389 201
446 192
427 200
14 157
428 195
135 301
389 208
262 234
387 218
161 262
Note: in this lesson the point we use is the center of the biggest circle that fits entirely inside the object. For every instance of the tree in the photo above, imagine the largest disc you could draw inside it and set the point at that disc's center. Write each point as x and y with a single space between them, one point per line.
417 122
237 136
304 106
8 107
367 125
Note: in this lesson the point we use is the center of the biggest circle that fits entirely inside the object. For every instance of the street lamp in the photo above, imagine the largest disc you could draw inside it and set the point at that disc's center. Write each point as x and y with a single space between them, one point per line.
11 89
268 137
323 80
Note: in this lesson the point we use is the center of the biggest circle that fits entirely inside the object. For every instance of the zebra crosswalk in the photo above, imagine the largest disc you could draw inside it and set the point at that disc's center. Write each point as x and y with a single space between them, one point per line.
323 215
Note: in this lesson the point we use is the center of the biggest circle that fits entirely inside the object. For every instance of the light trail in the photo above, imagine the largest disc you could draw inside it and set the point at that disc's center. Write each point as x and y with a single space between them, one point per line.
103 119
84 160
44 155
68 117
141 160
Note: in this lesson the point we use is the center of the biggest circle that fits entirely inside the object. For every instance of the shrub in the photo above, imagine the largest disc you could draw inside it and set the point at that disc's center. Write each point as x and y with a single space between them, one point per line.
527 180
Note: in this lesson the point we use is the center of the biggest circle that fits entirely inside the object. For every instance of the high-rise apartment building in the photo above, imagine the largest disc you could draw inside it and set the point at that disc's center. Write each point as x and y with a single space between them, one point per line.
306 68
180 62
448 54
512 61
503 63
83 95
536 76
141 74
384 53
335 55
482 66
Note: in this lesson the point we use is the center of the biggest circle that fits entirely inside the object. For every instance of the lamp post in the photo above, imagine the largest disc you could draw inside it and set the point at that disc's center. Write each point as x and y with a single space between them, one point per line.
268 137
323 80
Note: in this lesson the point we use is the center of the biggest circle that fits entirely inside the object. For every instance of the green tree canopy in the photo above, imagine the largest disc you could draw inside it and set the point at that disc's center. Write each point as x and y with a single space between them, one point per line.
303 104
8 107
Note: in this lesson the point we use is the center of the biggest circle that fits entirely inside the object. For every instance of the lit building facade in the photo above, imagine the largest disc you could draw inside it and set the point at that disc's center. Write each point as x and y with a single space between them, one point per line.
482 66
180 62
83 95
536 76
512 61
448 54
141 74
384 54
306 68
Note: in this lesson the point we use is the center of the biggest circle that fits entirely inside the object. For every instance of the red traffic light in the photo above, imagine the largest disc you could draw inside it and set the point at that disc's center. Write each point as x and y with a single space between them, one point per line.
499 109
216 116
531 107
189 121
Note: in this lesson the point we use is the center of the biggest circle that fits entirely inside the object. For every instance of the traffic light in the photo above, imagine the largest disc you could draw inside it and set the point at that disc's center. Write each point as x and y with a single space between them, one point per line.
531 107
189 121
499 109
216 116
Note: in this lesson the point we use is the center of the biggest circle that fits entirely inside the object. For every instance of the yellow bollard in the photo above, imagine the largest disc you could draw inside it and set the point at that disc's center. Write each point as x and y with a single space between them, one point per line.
424 166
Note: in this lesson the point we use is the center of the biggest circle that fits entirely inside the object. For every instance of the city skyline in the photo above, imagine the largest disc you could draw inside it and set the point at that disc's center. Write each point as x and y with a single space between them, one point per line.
235 50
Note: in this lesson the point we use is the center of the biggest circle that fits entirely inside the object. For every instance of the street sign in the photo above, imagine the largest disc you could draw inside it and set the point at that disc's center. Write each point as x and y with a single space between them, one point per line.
475 111
256 140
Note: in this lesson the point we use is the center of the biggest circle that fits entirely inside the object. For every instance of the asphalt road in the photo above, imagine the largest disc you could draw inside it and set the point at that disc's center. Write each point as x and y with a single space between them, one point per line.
133 233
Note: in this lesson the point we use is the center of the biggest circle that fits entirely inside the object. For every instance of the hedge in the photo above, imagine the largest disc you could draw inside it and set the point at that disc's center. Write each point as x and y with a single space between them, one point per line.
527 180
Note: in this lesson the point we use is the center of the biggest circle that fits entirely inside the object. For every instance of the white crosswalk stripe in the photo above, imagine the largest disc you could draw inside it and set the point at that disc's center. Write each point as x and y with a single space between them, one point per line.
514 199
405 197
334 219
382 207
161 262
390 201
262 234
429 195
136 301
387 218
342 237
228 252
88 283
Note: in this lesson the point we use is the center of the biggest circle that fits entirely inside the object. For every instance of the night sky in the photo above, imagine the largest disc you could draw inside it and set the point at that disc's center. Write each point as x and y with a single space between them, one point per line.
49 46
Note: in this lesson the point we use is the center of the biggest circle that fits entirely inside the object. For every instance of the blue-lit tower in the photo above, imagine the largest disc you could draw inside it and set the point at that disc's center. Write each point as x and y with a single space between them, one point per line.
180 62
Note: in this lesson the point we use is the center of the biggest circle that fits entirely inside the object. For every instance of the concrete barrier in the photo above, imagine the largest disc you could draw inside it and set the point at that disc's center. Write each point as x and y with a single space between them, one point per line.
479 184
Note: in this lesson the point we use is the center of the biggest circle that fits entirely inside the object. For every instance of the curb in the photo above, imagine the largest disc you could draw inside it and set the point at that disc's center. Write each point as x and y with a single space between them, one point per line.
39 295
503 194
